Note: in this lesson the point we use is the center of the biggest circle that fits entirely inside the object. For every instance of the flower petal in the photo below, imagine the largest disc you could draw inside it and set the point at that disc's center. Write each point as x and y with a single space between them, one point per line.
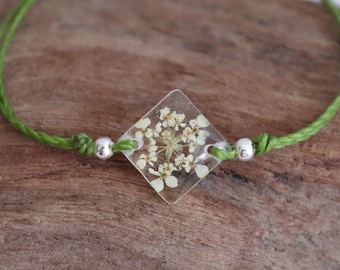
149 133
187 167
158 127
203 134
193 123
143 123
179 160
139 135
192 147
152 148
171 181
141 163
202 122
164 113
157 184
200 141
201 170
152 171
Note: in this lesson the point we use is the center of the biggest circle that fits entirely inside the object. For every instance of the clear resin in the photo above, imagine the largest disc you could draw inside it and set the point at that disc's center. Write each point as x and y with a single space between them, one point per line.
173 146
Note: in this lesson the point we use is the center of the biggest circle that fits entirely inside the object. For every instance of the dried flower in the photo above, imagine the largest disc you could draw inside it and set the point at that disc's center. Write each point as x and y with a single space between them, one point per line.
170 147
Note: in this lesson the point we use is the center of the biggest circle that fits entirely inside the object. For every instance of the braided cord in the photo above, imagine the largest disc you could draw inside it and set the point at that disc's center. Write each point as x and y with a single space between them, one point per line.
263 143
81 142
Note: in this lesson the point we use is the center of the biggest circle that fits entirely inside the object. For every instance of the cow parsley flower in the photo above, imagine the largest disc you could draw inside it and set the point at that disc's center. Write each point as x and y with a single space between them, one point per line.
142 125
146 159
170 145
164 174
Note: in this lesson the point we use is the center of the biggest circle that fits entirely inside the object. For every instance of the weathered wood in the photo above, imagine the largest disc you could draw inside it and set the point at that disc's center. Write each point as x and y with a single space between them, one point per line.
96 66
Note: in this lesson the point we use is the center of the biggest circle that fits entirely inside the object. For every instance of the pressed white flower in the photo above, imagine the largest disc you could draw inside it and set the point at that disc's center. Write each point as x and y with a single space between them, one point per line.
201 137
154 172
193 124
176 120
167 168
157 184
199 122
153 132
200 170
179 118
193 146
166 135
188 163
170 180
141 162
165 115
151 146
179 160
171 121
144 159
187 134
170 145
142 125
197 140
202 122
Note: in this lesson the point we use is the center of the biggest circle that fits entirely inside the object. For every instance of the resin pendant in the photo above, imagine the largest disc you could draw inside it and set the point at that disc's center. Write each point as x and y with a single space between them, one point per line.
173 140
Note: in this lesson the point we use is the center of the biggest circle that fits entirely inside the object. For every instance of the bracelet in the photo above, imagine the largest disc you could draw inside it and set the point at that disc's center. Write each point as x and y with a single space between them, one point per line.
173 145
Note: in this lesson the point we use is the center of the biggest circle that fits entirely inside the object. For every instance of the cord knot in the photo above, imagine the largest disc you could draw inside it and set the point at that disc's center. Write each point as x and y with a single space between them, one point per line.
263 143
83 143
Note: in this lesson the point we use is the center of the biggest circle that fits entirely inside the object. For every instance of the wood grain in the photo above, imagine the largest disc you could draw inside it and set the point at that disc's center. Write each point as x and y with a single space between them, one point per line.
97 66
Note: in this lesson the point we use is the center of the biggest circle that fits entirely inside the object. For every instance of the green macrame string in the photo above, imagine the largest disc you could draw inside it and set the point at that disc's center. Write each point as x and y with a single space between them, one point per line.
263 143
84 144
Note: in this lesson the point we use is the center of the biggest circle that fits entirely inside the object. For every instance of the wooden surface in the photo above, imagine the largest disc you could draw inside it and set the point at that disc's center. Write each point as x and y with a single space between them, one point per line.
97 66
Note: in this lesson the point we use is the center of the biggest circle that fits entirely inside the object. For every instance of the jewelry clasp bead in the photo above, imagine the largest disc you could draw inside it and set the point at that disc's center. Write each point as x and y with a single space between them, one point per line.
245 149
103 148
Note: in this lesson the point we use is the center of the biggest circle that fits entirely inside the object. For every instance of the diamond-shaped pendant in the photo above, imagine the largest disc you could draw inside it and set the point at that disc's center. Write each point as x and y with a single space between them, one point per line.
173 146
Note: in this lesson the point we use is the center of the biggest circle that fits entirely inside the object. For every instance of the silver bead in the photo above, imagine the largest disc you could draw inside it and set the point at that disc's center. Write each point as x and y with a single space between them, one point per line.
245 149
103 148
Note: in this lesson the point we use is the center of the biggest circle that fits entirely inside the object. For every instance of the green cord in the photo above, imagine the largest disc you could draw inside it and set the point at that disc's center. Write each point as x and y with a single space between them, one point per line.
263 143
84 144
81 142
